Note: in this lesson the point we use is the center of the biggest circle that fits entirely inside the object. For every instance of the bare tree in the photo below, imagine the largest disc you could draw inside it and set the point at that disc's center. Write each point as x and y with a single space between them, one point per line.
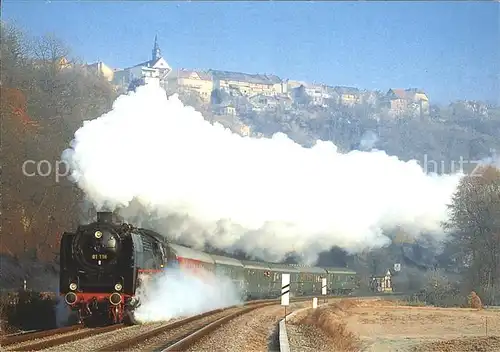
475 222
49 49
42 105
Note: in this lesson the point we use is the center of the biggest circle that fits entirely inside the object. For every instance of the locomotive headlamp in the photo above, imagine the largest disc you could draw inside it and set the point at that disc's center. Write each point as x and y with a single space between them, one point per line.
118 287
98 234
72 286
70 298
115 299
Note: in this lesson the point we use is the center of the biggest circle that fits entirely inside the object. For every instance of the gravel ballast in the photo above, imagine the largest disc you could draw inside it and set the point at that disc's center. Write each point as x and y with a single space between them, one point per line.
307 338
252 332
100 340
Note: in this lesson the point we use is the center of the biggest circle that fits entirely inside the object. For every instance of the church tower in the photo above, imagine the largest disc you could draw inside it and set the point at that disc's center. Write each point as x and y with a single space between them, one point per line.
156 50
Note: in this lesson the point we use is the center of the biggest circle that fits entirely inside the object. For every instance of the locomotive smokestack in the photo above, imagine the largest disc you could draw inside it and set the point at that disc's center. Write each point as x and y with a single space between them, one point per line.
105 217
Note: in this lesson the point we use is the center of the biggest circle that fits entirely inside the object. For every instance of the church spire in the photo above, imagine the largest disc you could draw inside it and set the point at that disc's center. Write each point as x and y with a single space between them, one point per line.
156 50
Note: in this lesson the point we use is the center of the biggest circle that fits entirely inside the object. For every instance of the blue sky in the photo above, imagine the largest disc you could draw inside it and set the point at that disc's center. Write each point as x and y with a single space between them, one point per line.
450 49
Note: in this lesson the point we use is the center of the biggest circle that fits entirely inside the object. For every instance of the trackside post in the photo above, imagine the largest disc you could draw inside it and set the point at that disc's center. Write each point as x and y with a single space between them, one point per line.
323 288
285 291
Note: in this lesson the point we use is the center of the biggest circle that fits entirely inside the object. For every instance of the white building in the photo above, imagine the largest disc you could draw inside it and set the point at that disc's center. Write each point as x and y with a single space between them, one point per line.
318 93
155 70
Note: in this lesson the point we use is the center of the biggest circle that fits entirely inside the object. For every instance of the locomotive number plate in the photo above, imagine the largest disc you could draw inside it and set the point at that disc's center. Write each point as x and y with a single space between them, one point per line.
99 256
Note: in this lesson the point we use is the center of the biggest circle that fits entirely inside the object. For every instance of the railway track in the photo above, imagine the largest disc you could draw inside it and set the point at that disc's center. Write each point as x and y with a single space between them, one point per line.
185 333
40 340
50 338
181 334
19 338
175 336
22 333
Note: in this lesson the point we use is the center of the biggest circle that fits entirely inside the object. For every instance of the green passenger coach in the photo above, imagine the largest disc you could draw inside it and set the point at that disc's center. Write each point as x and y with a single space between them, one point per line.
340 281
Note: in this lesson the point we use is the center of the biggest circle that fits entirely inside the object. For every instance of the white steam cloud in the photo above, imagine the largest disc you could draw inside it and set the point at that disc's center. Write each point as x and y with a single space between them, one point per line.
492 160
175 294
368 140
62 312
262 195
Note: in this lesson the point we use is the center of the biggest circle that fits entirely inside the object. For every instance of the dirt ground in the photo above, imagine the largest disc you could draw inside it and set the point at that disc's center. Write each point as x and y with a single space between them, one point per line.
384 326
403 328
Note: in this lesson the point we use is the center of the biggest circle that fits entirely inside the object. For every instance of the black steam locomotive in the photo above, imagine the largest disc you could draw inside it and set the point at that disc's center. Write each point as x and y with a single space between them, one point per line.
101 264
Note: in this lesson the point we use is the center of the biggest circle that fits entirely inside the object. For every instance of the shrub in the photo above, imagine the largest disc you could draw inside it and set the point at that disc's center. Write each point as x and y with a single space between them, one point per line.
27 310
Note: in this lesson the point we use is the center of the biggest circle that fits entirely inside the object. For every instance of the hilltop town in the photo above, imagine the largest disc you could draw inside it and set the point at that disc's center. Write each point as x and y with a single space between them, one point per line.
260 92
238 94
401 121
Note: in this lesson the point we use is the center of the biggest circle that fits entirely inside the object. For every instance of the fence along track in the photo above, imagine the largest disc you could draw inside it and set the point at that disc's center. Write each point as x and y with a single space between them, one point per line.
10 340
36 346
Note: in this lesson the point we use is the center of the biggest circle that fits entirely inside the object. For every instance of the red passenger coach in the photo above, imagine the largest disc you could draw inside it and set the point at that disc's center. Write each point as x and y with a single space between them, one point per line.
193 262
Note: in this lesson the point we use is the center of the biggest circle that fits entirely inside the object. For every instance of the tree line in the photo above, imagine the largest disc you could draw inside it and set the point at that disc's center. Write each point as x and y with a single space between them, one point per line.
46 93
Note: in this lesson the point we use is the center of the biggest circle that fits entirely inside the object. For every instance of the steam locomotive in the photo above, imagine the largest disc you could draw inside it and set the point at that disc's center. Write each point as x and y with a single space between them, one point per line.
104 263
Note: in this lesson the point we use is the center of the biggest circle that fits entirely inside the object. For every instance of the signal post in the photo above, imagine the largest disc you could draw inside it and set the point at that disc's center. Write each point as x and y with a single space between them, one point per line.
285 291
